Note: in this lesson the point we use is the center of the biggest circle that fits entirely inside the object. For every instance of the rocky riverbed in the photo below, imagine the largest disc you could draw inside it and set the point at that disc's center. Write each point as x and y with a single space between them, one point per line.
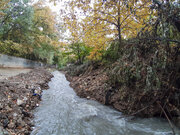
19 95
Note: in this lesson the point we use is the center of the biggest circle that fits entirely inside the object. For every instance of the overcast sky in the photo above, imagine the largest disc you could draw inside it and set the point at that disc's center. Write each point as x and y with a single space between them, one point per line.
56 8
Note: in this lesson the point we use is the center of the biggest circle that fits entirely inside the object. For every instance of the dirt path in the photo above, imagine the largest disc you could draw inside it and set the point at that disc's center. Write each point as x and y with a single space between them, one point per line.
9 72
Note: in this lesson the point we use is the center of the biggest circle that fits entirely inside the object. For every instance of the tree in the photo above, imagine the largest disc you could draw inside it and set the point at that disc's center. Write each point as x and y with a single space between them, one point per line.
80 50
29 31
95 36
16 24
44 20
122 18
167 23
45 32
17 21
3 5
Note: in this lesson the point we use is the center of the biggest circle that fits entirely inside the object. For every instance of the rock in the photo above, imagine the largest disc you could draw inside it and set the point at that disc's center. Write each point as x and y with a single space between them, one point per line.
26 114
25 98
5 123
1 106
11 125
23 124
19 102
176 121
15 114
3 116
8 108
3 131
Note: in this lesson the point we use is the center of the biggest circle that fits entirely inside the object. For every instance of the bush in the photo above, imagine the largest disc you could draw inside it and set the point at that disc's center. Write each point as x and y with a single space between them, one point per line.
80 51
111 54
143 67
76 70
11 48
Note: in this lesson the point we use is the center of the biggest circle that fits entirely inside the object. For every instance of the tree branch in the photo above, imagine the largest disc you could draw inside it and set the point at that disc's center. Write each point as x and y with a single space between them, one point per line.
106 14
106 20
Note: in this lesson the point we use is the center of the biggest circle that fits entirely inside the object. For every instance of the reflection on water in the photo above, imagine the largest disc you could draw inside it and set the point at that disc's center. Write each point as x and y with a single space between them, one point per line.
63 113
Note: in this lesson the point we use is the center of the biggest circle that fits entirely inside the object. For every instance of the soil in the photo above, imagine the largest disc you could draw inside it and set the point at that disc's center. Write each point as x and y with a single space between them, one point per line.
19 95
91 86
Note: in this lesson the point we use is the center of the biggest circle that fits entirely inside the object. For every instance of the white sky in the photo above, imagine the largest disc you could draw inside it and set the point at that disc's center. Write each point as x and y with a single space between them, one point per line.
57 7
60 5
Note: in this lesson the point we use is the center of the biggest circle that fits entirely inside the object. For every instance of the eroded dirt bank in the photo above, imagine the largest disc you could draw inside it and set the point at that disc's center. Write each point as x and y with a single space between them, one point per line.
19 95
94 85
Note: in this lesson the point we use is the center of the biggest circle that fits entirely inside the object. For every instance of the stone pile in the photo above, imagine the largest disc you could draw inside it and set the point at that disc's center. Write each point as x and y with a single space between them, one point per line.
19 95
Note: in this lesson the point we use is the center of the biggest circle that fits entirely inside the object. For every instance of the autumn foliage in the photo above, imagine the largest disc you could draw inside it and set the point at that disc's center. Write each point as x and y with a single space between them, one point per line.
101 22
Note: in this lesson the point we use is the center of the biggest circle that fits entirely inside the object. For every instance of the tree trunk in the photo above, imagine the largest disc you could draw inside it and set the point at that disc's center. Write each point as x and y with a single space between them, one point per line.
119 27
120 38
78 53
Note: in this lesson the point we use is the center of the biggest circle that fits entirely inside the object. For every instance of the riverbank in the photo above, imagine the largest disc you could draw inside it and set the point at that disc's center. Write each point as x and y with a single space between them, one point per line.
93 83
62 112
19 95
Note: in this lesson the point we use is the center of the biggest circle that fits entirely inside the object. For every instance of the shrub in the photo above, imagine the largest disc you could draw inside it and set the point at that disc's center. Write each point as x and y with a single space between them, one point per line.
143 67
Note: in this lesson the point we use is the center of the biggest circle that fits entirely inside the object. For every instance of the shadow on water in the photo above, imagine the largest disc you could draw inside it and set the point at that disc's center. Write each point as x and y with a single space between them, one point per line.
63 113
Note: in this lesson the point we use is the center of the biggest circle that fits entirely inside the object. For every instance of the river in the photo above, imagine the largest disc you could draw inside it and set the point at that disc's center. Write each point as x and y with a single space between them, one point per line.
62 112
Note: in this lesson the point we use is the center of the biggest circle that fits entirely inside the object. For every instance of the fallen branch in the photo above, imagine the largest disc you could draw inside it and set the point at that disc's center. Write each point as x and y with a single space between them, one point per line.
139 110
167 119
134 112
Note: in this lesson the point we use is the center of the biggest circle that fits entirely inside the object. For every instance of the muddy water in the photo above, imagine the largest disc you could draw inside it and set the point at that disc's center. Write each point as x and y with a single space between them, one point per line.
9 72
63 113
